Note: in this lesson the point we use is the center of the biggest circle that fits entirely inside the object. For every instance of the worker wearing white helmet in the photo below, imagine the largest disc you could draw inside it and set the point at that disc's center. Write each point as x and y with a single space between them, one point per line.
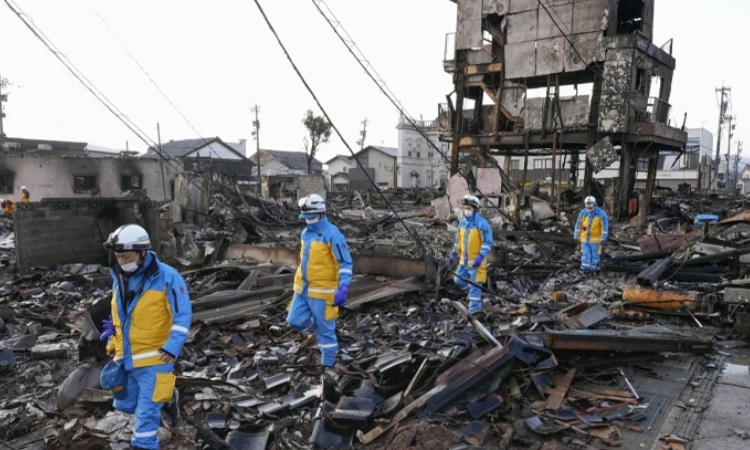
150 320
592 231
25 195
471 248
322 279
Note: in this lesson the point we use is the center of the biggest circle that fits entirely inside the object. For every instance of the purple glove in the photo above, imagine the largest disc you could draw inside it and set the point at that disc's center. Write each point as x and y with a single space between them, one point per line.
452 258
109 329
477 261
340 297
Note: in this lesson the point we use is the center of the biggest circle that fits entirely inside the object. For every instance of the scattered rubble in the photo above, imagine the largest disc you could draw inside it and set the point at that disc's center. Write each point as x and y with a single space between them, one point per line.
555 359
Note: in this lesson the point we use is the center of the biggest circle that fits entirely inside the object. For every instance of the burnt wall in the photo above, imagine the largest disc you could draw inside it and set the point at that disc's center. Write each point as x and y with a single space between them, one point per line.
63 231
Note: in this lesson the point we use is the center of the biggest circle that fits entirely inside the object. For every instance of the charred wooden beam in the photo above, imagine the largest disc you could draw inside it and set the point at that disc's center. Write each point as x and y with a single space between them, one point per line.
630 341
651 274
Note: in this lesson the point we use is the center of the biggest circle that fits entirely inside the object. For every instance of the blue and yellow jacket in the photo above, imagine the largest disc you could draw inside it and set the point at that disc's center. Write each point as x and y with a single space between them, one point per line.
157 316
474 238
325 264
592 227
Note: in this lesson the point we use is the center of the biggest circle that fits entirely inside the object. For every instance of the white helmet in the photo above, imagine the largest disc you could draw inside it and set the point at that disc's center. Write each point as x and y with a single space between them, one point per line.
312 204
471 200
590 200
128 238
23 188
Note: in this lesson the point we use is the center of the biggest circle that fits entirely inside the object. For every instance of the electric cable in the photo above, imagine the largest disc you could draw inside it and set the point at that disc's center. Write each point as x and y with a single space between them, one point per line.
98 94
382 86
153 82
426 255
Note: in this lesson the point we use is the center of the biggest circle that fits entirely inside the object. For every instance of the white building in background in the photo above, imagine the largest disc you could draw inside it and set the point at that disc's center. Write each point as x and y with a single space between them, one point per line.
418 164
338 164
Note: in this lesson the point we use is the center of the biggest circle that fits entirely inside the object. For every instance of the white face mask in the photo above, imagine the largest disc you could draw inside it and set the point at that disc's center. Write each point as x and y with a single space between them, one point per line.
468 212
312 221
129 267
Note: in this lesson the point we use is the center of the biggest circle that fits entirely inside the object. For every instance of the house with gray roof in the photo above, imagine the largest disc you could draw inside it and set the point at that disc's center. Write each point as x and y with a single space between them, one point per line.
209 156
281 162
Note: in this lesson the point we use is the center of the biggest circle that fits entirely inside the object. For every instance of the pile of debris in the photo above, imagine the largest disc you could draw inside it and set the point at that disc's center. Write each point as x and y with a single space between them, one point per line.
555 358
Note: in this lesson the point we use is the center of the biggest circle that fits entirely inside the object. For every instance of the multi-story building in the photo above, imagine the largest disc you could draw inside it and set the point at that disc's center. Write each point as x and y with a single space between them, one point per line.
418 164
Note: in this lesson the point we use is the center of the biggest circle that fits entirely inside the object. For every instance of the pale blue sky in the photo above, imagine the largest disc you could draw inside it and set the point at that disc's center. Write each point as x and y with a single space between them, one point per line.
216 59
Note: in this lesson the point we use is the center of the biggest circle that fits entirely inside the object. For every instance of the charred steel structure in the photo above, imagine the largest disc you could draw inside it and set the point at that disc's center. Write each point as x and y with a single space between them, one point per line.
505 48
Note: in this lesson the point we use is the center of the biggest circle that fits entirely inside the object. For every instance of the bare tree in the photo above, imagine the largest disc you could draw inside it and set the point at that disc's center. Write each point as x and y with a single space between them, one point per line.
319 132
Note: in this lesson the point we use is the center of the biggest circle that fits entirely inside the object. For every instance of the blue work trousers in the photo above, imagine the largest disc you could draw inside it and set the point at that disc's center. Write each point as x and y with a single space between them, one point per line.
590 257
474 291
309 314
145 393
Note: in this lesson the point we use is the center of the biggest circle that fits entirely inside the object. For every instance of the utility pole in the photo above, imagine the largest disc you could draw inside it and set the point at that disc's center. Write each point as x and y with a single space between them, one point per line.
363 135
730 132
723 103
3 99
736 166
256 134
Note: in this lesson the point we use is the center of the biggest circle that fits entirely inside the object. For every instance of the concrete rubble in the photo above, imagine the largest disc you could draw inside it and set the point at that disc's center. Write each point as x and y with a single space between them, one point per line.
625 358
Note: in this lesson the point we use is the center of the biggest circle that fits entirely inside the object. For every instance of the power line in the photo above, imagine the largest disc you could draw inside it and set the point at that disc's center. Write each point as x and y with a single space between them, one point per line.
370 71
153 82
98 94
429 259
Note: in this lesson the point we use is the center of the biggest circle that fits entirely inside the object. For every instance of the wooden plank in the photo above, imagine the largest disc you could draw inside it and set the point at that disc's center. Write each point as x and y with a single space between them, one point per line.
557 393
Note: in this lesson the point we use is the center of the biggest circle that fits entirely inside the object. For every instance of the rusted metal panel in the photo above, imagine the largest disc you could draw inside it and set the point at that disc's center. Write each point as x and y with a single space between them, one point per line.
561 17
469 24
522 27
590 15
550 56
653 244
520 60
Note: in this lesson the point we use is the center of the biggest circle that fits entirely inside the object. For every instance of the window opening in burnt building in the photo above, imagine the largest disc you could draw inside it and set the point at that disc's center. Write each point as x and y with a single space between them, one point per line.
131 182
6 183
85 183
630 16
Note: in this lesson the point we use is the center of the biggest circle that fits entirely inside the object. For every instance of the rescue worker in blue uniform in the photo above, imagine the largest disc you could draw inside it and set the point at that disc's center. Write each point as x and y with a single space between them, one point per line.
150 320
592 230
473 244
322 279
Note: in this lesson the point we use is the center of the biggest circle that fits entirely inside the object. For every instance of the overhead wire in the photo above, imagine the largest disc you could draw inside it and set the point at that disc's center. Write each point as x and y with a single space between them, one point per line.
153 82
102 98
89 85
383 87
425 253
